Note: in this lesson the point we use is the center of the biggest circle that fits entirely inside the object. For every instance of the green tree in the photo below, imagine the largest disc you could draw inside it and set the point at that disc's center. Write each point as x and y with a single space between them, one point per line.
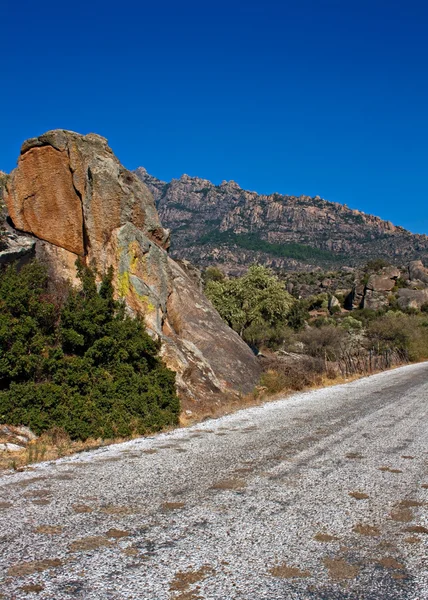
256 305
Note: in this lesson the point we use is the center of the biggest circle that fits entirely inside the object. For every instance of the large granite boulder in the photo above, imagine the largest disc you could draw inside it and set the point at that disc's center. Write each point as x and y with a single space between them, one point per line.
417 271
72 194
412 298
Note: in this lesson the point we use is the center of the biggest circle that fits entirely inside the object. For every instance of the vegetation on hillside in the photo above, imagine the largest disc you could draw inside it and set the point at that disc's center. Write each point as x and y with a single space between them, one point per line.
81 365
253 242
312 341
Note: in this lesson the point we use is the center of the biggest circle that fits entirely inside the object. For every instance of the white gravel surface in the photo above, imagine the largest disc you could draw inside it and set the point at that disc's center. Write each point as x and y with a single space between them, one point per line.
255 505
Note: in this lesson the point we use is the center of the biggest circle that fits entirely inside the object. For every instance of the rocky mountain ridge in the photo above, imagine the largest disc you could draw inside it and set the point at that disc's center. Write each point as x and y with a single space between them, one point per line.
232 228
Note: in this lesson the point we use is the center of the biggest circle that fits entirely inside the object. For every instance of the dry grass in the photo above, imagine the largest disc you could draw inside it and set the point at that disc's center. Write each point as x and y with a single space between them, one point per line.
46 448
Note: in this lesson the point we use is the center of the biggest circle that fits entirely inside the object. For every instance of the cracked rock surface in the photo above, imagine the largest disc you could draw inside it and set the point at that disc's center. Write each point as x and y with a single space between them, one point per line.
321 495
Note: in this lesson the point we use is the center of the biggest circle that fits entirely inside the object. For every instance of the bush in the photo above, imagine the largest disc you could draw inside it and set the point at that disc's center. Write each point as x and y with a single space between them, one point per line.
406 334
84 367
326 342
294 375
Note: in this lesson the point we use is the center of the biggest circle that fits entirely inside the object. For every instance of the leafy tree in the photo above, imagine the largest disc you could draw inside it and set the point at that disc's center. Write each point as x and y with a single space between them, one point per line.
255 305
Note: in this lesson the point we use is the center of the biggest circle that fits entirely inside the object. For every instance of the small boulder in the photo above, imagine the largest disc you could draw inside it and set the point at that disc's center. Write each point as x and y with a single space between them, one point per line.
8 447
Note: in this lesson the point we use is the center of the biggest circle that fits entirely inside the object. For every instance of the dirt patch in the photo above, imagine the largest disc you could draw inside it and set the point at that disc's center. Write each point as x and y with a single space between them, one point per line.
149 451
284 571
26 482
167 506
64 477
37 494
81 508
4 505
424 486
49 529
34 588
41 502
111 509
184 579
325 537
402 515
229 484
410 503
412 540
359 495
408 457
180 449
390 563
117 534
354 455
389 470
368 530
33 566
416 529
339 569
89 543
130 551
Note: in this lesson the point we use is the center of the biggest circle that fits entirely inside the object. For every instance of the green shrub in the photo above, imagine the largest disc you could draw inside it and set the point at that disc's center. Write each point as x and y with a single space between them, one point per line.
400 332
85 366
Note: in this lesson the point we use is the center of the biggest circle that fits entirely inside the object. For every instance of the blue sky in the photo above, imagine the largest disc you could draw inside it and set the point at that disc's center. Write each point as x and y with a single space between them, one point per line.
326 97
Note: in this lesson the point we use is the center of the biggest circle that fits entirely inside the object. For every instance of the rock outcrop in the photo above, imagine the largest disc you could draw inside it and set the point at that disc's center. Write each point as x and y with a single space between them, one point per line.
231 227
417 272
71 193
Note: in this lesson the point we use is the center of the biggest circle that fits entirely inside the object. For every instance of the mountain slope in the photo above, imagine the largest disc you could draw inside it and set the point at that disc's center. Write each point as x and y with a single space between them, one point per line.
231 227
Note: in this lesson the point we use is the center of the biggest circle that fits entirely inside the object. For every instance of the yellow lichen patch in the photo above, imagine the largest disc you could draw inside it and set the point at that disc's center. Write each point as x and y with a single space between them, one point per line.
133 252
284 571
123 284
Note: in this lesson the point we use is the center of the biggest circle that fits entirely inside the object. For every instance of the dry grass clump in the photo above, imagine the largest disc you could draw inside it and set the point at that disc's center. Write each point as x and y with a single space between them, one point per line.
51 445
293 374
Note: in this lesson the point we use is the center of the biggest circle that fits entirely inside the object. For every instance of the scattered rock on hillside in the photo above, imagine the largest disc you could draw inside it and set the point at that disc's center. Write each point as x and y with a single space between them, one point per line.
417 271
412 298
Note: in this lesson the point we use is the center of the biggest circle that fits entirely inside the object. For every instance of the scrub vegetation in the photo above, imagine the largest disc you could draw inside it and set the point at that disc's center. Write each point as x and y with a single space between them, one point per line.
77 362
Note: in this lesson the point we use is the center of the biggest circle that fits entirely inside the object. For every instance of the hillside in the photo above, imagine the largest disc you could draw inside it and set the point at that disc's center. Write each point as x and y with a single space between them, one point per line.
227 226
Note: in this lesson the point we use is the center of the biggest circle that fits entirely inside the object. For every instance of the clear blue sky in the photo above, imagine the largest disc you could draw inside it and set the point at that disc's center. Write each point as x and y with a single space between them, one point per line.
298 97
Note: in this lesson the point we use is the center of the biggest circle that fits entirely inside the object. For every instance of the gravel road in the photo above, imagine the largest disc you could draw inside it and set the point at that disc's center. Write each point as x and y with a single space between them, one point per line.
321 495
